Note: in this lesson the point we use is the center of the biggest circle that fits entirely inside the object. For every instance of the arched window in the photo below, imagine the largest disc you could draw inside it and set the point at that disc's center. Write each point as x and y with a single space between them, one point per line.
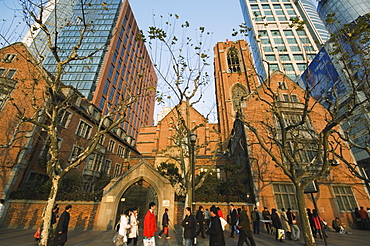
239 94
233 60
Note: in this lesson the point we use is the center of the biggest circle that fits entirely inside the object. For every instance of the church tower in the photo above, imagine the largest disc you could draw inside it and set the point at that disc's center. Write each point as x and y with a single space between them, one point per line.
235 78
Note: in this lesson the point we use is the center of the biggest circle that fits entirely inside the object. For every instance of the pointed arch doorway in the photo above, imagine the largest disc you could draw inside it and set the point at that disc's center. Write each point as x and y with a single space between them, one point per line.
138 195
141 184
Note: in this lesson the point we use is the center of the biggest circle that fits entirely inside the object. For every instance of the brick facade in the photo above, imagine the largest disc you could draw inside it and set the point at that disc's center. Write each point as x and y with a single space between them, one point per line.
26 158
237 90
27 214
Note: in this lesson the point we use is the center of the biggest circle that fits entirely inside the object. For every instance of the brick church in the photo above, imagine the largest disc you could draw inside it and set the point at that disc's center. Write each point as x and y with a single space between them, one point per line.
240 99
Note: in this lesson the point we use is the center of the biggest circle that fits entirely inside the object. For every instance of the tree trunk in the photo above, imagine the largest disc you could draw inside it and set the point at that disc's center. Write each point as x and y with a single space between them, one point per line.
305 224
46 218
188 197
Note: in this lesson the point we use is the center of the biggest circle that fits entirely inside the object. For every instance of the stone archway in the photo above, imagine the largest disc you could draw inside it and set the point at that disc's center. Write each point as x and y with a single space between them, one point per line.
138 195
114 191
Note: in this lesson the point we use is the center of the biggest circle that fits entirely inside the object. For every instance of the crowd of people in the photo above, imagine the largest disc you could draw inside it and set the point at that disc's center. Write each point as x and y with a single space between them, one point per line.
362 218
211 222
283 223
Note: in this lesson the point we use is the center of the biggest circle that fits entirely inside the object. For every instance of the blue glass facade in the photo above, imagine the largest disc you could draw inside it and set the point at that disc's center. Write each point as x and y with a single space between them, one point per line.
82 74
314 17
117 63
344 11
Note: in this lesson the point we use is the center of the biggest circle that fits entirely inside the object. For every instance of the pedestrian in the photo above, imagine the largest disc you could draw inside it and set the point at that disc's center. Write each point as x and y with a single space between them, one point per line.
200 222
219 212
165 223
310 219
124 226
190 224
318 225
238 210
267 217
62 227
256 221
364 218
207 219
276 222
215 232
357 216
292 220
232 219
134 230
245 232
2 201
285 224
150 222
54 216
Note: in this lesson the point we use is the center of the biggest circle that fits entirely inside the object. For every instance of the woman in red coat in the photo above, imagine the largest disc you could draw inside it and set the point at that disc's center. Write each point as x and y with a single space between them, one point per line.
150 222
317 221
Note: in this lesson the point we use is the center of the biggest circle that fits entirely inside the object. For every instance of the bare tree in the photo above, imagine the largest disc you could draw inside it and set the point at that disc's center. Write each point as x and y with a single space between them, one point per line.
181 63
349 49
58 97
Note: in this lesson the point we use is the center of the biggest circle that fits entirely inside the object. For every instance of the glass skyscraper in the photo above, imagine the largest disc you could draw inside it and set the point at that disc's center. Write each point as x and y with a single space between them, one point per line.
275 43
118 63
351 63
341 11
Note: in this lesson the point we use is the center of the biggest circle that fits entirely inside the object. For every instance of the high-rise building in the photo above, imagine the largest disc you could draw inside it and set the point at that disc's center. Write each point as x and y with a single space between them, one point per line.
278 44
349 57
341 12
119 64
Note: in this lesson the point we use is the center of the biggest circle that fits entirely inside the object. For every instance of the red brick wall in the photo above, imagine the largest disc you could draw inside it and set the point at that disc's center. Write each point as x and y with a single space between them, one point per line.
27 214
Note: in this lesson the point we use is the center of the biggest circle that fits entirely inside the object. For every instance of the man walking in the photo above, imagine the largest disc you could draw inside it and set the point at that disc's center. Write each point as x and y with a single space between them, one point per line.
150 222
165 223
189 223
215 232
256 221
200 222
62 227
245 228
232 216
267 218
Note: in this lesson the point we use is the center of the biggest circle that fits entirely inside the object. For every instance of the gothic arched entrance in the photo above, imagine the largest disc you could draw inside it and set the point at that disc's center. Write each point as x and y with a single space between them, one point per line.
137 187
138 195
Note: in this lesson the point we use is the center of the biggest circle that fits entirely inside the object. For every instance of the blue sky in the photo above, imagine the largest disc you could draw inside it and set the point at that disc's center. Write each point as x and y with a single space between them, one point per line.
218 17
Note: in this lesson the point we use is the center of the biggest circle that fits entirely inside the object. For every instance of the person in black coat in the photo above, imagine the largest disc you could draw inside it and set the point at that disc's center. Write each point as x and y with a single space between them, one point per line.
62 227
215 232
232 219
190 224
276 222
54 217
200 222
165 223
244 227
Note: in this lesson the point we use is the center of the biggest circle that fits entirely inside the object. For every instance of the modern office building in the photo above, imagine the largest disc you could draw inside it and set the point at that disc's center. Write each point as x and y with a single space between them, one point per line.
119 63
349 57
275 43
341 12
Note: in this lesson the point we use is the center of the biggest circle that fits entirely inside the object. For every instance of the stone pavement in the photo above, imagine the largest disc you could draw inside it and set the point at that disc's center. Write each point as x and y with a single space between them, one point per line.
24 237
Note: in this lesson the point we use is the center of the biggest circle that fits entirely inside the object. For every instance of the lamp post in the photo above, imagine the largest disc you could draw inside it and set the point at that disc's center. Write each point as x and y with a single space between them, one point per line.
193 139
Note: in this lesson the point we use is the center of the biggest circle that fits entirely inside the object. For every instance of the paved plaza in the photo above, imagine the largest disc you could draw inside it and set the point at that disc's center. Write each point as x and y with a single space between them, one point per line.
24 237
